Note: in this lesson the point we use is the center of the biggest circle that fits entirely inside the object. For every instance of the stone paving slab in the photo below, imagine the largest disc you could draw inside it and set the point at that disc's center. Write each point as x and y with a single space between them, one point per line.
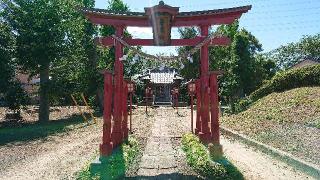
159 154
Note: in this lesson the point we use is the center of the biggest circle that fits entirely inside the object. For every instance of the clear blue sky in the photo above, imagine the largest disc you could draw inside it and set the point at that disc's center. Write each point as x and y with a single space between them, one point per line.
273 22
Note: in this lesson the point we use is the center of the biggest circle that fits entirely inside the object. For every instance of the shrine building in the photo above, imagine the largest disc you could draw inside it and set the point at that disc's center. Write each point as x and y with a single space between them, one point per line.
161 80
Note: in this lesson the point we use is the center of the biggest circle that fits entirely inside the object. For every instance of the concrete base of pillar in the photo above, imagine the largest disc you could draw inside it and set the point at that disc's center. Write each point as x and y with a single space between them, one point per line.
215 150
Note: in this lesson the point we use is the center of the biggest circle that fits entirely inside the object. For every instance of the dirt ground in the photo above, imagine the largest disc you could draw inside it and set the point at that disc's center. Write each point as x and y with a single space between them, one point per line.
61 156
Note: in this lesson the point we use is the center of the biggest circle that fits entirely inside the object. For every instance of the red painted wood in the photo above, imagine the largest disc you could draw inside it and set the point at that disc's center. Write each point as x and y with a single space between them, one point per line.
191 113
131 112
143 21
117 133
214 109
198 118
205 134
106 146
125 111
217 41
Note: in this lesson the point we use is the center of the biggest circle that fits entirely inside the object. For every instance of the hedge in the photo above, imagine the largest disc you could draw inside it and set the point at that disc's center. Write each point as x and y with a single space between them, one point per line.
115 165
199 159
283 81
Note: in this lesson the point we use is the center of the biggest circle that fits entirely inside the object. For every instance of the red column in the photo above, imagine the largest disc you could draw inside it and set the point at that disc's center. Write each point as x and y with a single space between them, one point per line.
191 106
198 119
117 132
125 111
215 148
205 134
106 146
131 112
214 109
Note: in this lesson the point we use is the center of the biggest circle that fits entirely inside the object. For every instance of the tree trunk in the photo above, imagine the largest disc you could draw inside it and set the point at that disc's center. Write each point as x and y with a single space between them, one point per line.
44 94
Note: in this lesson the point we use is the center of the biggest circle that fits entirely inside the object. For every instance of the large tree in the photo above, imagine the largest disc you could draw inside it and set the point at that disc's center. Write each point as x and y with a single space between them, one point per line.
43 30
10 89
244 72
7 47
76 72
288 55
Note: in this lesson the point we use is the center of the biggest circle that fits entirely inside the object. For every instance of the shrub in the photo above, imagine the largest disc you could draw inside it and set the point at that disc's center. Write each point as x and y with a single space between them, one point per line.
286 80
115 165
199 159
294 78
15 97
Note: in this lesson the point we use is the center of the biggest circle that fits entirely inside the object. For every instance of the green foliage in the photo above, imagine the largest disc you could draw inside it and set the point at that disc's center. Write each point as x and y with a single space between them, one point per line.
289 55
10 88
198 158
7 49
42 30
282 81
15 96
46 32
286 80
114 166
244 68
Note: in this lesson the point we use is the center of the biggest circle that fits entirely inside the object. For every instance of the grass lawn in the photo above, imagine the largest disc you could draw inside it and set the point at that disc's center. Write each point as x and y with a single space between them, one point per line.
289 121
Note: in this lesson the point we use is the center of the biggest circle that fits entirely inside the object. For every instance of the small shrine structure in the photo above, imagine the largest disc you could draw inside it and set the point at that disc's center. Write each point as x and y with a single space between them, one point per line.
161 80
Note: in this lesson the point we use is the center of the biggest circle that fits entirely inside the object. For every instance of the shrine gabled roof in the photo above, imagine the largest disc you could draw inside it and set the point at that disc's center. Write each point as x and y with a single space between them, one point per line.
161 76
216 16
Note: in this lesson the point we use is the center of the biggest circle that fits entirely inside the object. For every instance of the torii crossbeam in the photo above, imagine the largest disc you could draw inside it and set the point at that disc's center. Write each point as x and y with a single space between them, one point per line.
162 18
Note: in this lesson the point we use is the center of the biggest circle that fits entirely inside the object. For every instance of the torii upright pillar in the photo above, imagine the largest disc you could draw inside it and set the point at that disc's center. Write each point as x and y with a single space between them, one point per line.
117 131
204 115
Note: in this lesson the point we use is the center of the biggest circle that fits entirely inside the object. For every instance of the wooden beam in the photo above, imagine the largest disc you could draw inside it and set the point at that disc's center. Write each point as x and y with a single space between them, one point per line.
217 41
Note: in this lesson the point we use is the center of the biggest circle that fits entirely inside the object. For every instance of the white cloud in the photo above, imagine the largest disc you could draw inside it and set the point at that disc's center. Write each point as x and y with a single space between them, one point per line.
146 33
140 32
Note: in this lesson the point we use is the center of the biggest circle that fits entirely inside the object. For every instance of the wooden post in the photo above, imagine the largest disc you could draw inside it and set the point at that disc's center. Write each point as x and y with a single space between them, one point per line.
80 110
88 107
131 112
117 133
215 148
125 111
198 119
191 113
205 134
107 145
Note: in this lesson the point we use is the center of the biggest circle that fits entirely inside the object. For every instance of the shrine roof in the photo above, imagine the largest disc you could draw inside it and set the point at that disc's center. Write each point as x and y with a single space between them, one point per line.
161 76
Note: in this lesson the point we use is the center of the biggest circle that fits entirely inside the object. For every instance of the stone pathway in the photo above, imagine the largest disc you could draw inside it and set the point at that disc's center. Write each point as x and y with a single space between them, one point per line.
159 155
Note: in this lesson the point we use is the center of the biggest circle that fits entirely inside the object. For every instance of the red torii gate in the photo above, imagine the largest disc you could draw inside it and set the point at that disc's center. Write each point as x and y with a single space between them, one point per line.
161 18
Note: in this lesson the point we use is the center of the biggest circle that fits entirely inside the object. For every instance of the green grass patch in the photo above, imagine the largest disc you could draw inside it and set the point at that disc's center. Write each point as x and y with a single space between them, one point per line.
31 131
114 166
199 159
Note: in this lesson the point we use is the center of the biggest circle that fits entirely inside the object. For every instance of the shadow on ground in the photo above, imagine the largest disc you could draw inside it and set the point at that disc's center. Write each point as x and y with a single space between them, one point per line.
173 176
32 131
